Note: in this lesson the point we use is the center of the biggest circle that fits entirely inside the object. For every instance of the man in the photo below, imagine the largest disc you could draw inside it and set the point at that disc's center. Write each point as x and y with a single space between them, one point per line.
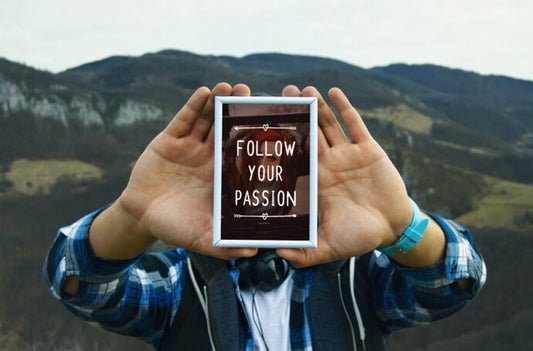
342 295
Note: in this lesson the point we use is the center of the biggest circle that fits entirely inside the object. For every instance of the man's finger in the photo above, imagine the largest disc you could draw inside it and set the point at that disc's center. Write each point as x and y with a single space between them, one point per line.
183 122
322 142
238 90
350 117
291 91
205 119
300 258
327 120
241 90
229 254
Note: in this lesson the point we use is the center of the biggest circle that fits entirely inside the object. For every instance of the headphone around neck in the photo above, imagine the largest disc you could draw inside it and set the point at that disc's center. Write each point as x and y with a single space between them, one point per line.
265 271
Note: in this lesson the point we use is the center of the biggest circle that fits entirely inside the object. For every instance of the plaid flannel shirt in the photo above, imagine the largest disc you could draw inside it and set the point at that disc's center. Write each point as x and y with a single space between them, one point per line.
140 297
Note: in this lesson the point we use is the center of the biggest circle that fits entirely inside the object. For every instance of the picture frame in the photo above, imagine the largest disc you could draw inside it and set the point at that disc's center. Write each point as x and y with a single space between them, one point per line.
265 181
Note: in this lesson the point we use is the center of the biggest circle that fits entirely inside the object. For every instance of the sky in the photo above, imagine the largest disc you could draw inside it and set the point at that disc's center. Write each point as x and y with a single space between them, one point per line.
484 36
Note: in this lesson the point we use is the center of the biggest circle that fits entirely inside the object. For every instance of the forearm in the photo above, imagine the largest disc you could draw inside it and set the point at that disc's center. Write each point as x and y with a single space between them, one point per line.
113 235
71 257
109 291
428 251
436 290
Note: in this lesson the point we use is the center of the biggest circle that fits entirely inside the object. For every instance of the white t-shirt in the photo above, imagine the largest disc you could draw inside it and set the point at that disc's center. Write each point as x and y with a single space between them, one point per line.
271 314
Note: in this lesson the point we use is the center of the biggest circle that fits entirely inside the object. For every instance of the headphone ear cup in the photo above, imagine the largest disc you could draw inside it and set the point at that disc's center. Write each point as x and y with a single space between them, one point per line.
269 272
265 271
245 266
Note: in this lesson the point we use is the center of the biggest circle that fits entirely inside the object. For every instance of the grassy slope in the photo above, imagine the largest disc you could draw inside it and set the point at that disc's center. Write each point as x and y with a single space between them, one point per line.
506 205
32 177
402 116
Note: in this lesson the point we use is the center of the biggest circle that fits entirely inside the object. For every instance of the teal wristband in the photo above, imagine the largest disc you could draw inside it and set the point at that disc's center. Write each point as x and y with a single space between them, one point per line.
411 236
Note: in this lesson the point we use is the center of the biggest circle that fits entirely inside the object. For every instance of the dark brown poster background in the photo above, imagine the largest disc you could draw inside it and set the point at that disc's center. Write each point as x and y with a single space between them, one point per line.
265 172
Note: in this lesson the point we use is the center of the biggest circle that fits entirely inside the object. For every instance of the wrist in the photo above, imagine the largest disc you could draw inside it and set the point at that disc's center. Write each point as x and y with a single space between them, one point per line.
403 219
428 251
115 234
411 235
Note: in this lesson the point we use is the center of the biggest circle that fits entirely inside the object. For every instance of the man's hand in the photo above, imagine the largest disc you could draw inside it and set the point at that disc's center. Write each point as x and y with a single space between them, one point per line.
362 200
170 192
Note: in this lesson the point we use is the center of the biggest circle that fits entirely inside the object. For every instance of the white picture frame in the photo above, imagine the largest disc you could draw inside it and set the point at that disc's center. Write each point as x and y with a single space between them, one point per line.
284 212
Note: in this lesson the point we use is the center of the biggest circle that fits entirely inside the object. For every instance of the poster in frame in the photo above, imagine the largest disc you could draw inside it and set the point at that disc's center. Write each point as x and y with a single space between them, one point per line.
265 181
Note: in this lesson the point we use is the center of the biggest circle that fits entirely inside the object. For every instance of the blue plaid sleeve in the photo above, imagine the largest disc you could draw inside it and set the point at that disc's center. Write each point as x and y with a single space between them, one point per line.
136 297
408 297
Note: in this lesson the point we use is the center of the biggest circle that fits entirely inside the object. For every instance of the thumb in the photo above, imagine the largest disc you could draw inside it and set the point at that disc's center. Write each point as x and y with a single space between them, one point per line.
300 258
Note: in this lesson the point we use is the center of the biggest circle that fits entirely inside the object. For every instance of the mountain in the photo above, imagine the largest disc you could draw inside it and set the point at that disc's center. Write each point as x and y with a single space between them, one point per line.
463 118
495 105
462 141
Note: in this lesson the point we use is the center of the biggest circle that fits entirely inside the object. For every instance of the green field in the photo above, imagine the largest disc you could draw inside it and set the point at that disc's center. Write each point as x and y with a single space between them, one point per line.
506 205
32 177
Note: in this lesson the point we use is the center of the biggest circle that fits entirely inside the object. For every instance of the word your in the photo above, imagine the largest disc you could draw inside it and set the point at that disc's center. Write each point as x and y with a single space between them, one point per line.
268 173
